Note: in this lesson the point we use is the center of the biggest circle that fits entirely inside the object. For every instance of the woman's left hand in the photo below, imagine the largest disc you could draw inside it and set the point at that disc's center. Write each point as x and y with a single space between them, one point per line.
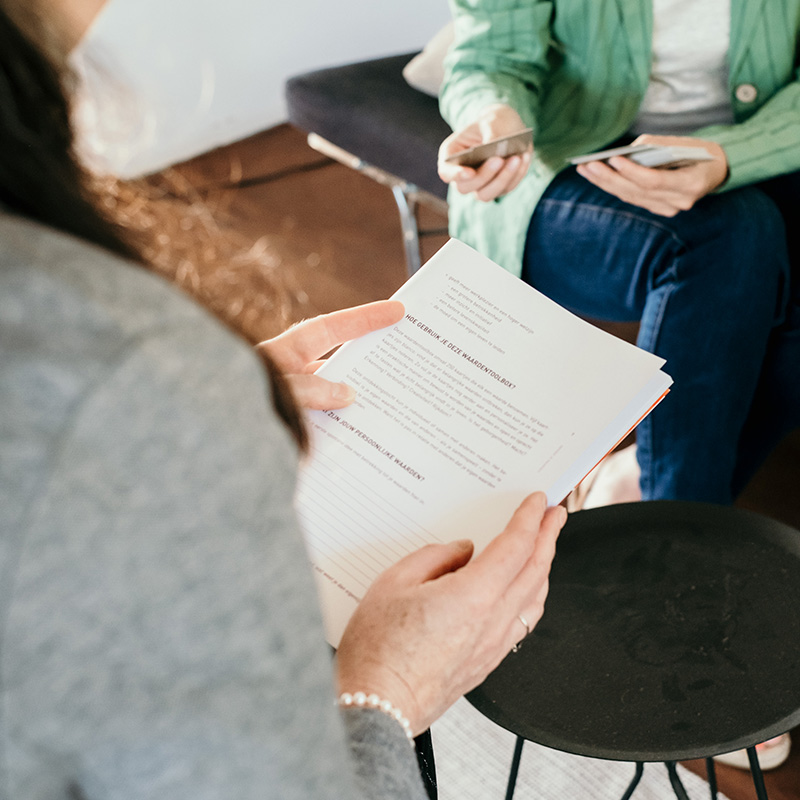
661 191
436 623
297 351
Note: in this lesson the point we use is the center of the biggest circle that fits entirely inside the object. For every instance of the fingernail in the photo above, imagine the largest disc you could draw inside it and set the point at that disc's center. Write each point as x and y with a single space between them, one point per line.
463 544
344 393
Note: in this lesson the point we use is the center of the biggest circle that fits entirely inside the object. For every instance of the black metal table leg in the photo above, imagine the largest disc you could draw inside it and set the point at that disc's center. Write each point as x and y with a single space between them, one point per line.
711 776
758 777
675 780
512 776
427 766
635 782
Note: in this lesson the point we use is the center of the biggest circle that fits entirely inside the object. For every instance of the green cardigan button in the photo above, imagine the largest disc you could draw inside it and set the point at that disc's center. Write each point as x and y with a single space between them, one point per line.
746 92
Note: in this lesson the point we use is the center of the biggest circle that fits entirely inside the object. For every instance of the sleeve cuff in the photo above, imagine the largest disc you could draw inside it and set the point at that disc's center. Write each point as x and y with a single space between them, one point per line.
386 767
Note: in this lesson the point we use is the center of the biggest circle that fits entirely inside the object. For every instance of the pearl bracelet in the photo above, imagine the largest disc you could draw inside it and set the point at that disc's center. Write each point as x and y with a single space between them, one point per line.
362 700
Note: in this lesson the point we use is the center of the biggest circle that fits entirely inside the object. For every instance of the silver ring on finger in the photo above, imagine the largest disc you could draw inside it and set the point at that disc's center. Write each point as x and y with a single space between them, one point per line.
516 647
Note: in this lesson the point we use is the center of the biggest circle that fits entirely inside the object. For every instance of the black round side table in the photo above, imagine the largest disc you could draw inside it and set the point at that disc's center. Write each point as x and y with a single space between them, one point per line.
671 632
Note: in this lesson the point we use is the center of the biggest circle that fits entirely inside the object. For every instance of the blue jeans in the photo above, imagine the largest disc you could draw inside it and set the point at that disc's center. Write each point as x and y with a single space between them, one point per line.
713 291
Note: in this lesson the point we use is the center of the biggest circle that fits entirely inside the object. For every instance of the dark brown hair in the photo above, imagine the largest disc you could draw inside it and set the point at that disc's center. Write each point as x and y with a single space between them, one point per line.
39 175
163 225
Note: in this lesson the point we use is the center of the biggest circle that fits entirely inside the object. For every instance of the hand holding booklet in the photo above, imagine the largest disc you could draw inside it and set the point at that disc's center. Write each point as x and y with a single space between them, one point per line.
485 392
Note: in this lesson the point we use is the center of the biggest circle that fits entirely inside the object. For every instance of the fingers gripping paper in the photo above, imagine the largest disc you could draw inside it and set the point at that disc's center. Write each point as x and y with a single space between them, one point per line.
484 392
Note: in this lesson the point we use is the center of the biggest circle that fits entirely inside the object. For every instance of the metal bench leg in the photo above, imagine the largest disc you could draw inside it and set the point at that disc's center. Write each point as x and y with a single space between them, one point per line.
407 207
406 196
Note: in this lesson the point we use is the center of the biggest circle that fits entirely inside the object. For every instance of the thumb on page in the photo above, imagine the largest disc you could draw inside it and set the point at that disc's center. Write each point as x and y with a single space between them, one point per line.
312 391
430 562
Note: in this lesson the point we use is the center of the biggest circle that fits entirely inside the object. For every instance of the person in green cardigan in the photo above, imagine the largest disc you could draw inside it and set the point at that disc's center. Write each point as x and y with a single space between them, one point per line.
704 257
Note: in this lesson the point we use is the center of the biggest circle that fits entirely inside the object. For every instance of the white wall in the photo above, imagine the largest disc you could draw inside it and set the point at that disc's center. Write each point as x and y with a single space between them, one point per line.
189 75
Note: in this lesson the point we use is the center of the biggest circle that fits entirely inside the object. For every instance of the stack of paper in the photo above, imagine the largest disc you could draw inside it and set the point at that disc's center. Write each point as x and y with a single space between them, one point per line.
484 392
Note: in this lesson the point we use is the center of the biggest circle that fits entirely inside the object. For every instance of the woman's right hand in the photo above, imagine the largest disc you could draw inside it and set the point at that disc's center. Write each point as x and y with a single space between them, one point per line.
298 350
434 625
496 176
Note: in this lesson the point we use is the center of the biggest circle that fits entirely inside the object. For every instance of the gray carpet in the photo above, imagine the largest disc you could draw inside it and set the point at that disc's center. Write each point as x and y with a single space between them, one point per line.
473 757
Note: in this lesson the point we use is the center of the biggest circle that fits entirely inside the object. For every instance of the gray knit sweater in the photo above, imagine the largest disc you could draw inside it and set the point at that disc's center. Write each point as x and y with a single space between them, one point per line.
160 632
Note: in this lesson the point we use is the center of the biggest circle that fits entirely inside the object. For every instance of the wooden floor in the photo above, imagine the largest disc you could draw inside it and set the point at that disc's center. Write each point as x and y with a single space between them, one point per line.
334 234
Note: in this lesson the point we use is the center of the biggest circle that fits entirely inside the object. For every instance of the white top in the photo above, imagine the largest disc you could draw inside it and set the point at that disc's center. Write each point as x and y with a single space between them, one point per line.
689 75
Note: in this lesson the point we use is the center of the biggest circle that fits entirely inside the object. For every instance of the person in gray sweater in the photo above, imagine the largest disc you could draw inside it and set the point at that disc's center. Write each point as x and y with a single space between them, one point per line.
160 631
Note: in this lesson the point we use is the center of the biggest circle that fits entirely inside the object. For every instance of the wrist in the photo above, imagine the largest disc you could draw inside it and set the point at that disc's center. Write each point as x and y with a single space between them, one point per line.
357 671
503 115
387 687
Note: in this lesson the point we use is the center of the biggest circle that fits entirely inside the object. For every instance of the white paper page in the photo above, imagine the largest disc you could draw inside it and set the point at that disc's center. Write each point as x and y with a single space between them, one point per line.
484 392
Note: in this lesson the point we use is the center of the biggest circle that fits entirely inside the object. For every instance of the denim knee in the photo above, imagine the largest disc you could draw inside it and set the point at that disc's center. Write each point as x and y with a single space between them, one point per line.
735 242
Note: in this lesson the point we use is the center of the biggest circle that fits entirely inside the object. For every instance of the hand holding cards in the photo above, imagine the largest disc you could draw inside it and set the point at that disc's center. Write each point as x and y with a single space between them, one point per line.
651 155
504 146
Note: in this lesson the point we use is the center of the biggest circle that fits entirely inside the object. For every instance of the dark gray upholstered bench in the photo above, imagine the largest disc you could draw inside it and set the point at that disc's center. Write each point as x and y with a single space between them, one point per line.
366 116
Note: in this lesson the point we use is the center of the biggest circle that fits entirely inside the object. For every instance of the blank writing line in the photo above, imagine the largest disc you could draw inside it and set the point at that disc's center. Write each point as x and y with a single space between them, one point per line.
348 531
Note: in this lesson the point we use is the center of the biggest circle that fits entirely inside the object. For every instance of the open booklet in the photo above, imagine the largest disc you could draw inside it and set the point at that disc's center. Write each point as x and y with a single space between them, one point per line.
484 392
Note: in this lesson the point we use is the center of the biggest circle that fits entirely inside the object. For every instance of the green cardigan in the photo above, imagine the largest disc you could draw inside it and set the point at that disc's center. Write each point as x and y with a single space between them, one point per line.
576 71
